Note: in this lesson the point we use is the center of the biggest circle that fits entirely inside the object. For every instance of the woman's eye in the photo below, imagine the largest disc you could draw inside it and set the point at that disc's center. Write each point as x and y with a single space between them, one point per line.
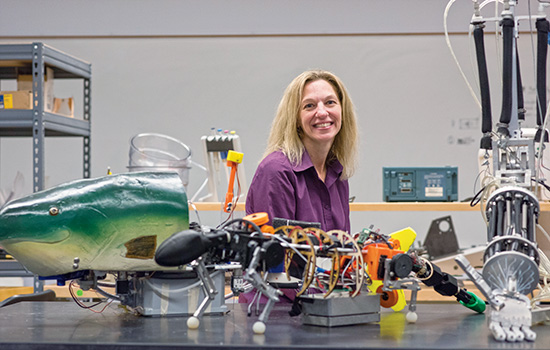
308 105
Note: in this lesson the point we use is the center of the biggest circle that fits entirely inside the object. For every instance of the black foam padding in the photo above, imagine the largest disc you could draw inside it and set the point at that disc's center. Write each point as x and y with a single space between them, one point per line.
182 248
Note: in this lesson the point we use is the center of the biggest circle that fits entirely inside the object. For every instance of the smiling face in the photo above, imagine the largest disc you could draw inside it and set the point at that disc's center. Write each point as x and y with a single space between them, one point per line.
320 114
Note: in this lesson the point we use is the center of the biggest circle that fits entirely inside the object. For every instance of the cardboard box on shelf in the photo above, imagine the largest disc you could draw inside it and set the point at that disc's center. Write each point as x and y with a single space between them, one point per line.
64 106
24 83
15 100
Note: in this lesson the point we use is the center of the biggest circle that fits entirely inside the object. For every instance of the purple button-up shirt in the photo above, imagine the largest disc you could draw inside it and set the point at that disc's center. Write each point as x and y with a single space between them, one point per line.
295 192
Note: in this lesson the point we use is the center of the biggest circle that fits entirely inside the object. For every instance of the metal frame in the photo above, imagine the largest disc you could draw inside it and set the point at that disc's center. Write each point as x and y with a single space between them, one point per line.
38 123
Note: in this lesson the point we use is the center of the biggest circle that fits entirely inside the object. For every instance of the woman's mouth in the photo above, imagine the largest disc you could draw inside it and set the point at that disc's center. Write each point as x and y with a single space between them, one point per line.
323 125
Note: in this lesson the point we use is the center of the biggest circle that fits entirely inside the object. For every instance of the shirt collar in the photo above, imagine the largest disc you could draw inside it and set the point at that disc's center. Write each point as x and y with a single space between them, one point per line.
306 163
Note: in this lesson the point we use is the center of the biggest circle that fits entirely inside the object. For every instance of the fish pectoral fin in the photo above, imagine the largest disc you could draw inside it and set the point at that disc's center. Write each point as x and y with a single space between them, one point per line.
54 237
143 247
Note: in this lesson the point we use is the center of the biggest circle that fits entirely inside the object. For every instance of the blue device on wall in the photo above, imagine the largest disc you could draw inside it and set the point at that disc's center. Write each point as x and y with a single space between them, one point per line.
420 184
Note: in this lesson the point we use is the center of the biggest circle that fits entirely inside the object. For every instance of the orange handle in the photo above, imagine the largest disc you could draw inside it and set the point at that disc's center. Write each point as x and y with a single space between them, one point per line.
229 195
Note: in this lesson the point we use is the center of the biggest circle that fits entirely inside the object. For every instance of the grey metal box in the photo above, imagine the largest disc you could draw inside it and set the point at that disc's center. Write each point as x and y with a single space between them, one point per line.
340 309
178 297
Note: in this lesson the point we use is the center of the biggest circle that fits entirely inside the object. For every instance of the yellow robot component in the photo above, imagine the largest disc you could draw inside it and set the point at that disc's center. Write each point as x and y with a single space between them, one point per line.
405 237
235 157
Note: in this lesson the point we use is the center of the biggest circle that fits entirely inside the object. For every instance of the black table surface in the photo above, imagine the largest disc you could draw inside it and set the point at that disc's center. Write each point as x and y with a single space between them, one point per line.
64 325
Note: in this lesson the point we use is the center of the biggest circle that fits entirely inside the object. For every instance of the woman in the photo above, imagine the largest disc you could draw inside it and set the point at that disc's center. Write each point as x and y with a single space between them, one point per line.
311 153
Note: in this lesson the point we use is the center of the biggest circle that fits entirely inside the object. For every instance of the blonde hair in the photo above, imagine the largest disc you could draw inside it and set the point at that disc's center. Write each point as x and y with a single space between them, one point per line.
284 134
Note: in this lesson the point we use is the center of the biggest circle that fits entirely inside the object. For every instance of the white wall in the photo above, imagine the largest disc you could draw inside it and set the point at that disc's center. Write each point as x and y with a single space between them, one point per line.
182 67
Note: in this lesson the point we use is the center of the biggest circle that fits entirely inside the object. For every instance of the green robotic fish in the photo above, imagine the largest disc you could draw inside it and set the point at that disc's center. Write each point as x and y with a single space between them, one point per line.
111 223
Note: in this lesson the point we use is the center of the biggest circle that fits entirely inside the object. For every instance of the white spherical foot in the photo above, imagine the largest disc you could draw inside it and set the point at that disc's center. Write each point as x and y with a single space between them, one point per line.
411 317
258 327
193 322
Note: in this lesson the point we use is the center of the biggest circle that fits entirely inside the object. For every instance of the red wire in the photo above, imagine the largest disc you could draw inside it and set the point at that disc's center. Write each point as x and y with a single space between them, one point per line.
82 305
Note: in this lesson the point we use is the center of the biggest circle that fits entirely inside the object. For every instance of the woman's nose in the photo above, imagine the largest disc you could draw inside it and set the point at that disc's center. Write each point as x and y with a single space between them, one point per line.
321 110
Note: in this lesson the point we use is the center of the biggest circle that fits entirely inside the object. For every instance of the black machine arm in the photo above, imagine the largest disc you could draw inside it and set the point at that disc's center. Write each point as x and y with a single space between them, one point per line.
486 115
186 246
519 89
239 241
432 276
507 73
543 27
232 243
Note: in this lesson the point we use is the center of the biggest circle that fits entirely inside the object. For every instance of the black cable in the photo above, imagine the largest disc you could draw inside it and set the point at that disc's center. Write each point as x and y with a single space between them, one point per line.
507 71
543 27
477 197
486 118
542 183
78 302
256 227
519 88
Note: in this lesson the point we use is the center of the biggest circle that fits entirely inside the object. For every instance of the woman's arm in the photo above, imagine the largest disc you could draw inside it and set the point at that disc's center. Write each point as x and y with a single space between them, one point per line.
273 191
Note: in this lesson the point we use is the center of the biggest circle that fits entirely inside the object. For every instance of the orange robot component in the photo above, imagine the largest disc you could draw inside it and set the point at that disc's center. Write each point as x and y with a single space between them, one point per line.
260 219
374 255
387 298
233 159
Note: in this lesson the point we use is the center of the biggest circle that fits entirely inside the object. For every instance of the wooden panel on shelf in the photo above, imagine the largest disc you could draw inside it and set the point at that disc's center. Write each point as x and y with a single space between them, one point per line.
380 206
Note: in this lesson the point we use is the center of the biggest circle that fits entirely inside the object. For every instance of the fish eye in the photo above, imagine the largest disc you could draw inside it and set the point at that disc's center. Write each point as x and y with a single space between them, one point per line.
54 211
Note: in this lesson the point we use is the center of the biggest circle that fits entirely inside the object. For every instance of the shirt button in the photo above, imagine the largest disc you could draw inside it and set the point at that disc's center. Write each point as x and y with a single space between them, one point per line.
327 207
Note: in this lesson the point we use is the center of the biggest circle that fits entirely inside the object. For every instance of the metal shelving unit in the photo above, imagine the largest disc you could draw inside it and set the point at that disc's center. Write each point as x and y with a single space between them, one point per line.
33 58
